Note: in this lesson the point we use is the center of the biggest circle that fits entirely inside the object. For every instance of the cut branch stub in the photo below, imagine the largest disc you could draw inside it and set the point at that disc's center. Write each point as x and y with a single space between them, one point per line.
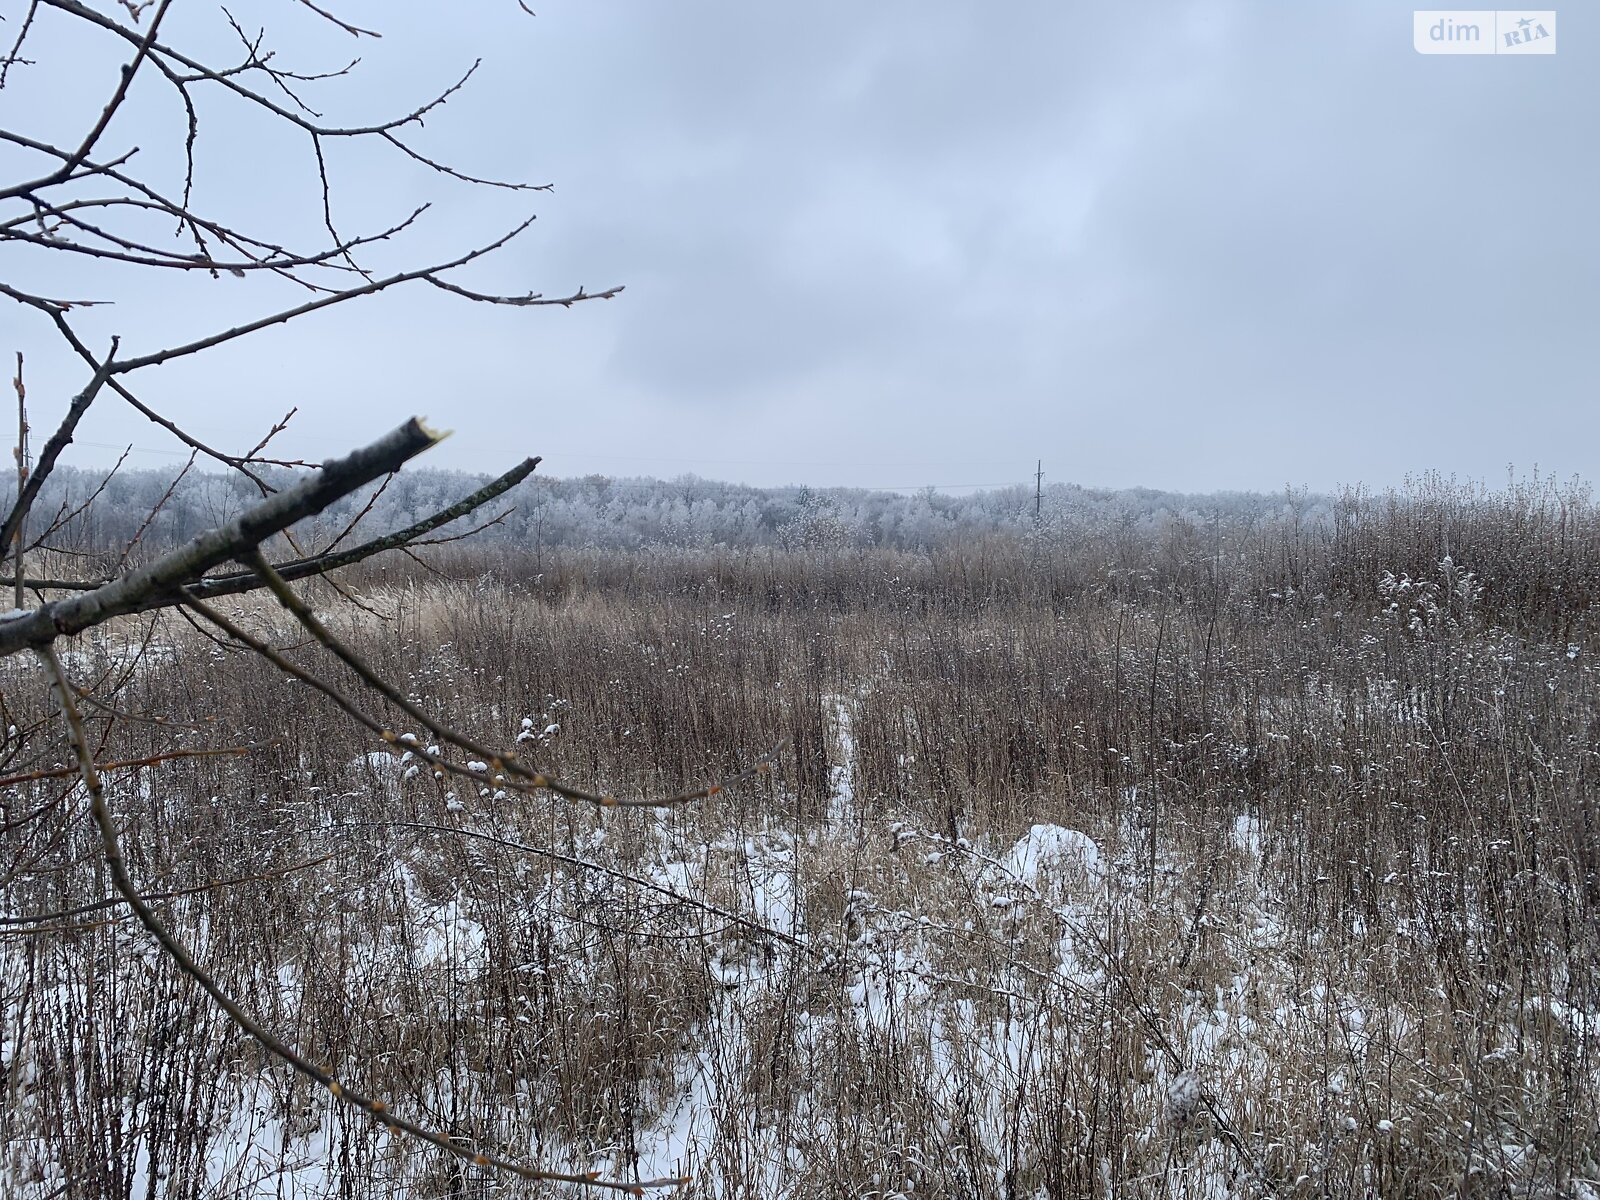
135 591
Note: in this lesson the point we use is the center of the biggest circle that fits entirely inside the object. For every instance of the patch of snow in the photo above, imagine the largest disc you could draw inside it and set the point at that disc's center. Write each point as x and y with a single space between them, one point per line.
1247 834
1045 848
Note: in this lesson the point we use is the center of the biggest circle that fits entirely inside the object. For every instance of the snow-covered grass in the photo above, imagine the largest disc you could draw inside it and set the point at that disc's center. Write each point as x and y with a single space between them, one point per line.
1103 899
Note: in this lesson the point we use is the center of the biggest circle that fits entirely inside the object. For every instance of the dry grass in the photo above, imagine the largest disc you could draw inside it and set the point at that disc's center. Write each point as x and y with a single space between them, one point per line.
1347 880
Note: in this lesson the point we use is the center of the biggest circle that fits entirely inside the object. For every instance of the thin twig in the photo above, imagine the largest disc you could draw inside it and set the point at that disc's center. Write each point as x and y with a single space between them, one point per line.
124 764
173 894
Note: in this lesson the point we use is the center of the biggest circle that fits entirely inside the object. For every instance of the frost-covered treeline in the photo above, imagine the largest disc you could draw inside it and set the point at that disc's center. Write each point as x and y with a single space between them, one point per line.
610 513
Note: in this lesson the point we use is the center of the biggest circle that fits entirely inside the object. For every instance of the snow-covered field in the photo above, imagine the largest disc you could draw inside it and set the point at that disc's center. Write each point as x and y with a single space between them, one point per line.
925 1016
1152 983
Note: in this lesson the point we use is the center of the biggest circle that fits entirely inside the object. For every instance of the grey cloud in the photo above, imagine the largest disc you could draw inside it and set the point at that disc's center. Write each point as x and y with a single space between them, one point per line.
1221 243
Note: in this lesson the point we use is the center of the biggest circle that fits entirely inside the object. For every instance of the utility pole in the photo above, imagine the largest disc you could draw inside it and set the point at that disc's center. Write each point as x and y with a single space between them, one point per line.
1038 494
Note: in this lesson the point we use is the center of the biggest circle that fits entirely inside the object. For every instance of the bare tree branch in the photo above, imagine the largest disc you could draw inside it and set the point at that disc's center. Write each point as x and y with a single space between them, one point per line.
58 442
14 55
213 586
124 366
65 171
164 577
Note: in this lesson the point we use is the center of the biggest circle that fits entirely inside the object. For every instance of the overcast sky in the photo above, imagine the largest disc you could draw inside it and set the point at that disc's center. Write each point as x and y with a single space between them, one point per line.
1191 245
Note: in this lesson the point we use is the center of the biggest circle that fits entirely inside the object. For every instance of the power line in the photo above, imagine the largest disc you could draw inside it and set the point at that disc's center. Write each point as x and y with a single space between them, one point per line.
656 484
772 462
717 485
121 446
